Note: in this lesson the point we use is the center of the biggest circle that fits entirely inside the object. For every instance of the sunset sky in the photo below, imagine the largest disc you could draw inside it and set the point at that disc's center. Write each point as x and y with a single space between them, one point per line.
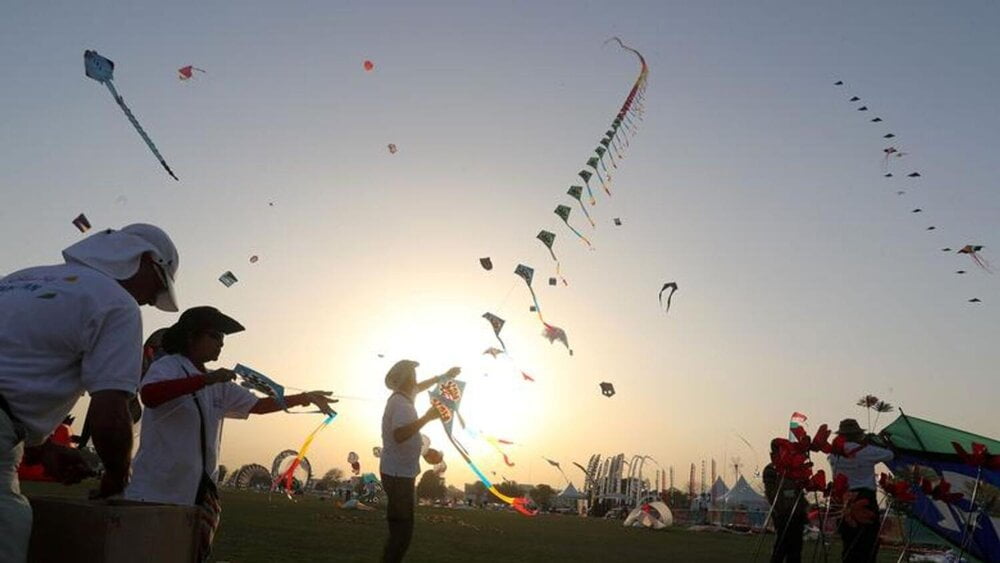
805 280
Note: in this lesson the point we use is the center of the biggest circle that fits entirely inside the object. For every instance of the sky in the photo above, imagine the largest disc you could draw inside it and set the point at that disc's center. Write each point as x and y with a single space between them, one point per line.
805 280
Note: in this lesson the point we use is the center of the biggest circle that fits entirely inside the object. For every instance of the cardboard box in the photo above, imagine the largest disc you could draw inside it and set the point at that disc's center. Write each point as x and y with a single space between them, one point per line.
66 529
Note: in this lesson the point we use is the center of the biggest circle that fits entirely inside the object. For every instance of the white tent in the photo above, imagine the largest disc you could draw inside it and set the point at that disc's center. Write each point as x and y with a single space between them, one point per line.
742 494
654 515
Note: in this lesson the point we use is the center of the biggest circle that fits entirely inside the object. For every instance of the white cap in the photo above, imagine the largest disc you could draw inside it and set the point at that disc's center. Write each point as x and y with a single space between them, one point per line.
118 254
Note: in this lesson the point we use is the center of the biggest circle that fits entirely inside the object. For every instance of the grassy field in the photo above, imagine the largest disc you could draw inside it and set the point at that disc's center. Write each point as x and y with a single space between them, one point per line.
258 529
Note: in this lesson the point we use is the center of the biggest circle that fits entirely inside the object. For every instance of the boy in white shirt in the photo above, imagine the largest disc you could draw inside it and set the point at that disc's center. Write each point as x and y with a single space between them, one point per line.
400 461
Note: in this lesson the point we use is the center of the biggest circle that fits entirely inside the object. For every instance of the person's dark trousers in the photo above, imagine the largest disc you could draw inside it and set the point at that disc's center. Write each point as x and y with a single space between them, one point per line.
788 540
861 541
399 515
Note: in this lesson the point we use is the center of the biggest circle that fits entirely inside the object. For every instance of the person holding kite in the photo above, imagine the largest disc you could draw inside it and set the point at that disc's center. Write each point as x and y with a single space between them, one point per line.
401 446
178 457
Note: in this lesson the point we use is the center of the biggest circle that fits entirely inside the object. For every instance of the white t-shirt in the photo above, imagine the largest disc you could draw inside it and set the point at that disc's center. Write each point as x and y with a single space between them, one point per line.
168 466
399 459
860 467
64 329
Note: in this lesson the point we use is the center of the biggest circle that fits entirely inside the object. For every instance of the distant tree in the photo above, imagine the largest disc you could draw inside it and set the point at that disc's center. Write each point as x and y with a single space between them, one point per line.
331 479
675 498
509 488
431 486
223 471
454 493
542 495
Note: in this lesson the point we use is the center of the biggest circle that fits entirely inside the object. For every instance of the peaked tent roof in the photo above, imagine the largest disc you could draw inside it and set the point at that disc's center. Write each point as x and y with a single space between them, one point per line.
719 488
743 493
570 492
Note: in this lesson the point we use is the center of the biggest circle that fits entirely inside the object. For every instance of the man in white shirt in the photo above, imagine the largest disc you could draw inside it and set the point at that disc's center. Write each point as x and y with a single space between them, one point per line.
861 540
67 329
400 461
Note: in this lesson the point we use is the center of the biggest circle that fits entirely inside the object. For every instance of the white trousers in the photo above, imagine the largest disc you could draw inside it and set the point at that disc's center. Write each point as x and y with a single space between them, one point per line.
15 512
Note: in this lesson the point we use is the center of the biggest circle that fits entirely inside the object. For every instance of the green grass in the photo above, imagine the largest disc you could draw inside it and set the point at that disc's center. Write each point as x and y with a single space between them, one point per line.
256 528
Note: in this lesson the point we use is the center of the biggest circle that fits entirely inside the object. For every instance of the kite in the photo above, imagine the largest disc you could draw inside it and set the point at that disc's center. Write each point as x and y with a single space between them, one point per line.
228 279
497 324
548 239
186 72
947 249
253 259
527 377
586 181
551 332
563 212
973 251
917 210
81 223
102 70
969 521
576 192
888 175
446 398
975 300
552 281
960 272
392 148
607 389
555 464
257 381
863 108
855 99
913 175
486 263
289 473
377 451
877 120
369 66
618 221
592 162
838 83
931 228
888 136
493 351
672 286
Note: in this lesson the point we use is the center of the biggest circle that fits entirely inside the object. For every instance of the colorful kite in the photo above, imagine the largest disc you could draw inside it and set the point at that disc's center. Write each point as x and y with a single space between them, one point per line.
672 286
973 251
81 223
576 192
586 181
369 66
252 379
548 239
563 212
288 476
551 332
228 279
497 324
102 70
446 398
186 72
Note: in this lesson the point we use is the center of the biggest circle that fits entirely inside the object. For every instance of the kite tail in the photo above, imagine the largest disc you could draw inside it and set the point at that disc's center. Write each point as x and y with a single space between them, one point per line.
587 214
558 267
538 308
142 132
590 192
288 475
519 504
603 183
583 238
981 263
612 157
